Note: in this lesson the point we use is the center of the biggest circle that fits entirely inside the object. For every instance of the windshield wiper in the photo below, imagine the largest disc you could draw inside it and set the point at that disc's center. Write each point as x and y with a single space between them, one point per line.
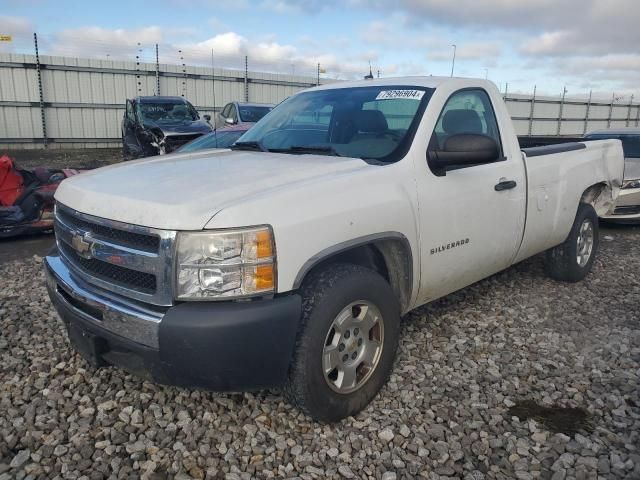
317 149
251 145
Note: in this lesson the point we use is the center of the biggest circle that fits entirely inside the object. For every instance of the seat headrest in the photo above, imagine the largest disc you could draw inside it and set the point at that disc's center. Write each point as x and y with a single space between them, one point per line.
461 121
371 121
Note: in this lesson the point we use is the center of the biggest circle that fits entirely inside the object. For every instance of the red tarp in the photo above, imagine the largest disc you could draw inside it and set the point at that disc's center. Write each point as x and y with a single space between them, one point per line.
11 183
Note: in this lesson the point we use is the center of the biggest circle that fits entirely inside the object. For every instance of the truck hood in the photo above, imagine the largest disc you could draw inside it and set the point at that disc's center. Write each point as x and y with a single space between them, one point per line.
184 191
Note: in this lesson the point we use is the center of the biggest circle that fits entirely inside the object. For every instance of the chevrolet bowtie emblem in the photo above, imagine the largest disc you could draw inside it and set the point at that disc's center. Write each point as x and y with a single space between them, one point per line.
82 244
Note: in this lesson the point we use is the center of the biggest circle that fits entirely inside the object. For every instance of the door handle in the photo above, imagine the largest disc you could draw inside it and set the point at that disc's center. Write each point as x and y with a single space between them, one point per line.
505 185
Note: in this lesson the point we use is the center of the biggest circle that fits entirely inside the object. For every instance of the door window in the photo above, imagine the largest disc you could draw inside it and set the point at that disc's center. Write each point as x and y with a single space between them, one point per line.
226 110
466 111
129 111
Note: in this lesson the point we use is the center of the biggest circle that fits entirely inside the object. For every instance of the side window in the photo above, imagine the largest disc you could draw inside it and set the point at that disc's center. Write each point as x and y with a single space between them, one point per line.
466 111
234 114
129 111
225 110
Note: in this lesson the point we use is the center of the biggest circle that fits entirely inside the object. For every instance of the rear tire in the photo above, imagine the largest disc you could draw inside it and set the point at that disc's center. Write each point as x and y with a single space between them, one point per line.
572 260
347 342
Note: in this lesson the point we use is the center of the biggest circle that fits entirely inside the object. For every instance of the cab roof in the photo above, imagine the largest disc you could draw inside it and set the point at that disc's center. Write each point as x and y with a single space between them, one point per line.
414 81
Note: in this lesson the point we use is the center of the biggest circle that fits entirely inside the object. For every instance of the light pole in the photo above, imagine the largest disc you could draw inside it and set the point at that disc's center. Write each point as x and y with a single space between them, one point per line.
453 60
486 73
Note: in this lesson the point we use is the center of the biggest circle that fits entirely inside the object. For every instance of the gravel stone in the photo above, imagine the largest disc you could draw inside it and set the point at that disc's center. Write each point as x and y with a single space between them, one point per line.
345 471
462 363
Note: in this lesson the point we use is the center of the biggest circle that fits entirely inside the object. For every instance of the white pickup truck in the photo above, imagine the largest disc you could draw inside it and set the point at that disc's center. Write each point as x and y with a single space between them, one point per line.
288 260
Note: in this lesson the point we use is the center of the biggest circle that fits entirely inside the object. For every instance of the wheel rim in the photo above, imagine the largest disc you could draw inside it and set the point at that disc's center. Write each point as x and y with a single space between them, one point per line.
353 347
585 243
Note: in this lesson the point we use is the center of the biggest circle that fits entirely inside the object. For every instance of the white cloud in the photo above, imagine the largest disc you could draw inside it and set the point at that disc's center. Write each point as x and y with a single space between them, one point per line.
19 28
230 49
98 41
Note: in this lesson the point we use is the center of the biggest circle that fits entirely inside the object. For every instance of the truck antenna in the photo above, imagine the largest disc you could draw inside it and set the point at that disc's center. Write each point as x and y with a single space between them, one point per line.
213 86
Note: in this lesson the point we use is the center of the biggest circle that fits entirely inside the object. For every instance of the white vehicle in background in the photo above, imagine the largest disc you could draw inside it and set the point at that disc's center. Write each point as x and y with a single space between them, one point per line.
241 113
288 260
628 205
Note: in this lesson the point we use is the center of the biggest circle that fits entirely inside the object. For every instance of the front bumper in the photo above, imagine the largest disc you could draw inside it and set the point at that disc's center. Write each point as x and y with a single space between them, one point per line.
627 207
223 346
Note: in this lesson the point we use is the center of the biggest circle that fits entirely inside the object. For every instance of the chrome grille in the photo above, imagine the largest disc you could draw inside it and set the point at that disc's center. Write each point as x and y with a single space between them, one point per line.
130 260
148 243
145 282
173 142
627 210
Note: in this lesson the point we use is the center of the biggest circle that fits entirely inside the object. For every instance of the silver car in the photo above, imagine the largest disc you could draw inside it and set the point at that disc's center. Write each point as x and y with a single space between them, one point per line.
238 113
628 205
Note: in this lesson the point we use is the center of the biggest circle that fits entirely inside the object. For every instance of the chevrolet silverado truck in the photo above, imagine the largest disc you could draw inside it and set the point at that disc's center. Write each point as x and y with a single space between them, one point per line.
288 260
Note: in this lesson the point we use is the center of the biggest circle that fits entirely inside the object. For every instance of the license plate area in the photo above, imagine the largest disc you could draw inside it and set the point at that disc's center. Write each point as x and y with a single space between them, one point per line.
83 307
89 346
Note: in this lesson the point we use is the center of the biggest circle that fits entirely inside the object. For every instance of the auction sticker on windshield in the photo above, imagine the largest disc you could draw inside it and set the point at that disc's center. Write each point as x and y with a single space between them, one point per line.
394 94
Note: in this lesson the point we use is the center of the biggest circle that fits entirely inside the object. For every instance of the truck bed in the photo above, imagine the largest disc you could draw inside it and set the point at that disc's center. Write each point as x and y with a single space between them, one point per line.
557 177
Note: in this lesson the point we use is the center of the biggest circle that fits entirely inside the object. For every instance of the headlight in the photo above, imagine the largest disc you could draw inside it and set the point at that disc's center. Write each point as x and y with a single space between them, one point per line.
224 264
630 184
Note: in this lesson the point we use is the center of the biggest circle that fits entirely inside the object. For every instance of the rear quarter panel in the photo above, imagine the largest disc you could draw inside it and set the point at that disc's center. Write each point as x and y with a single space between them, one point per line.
556 183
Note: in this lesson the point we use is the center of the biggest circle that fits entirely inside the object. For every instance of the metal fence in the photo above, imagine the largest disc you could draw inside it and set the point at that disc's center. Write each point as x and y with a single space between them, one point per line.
557 116
63 102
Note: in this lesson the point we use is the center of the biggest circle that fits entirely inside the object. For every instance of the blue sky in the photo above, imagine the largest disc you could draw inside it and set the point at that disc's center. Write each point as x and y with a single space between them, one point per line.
583 44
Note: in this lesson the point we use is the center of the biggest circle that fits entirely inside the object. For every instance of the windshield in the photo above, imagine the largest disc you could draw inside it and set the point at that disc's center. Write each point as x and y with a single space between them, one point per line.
167 113
374 122
253 113
630 143
212 140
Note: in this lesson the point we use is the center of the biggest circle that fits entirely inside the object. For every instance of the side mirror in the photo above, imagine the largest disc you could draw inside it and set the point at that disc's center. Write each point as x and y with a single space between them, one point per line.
464 149
207 117
229 121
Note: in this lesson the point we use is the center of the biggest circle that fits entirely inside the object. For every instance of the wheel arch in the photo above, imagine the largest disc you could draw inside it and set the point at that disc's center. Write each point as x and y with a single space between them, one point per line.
388 254
600 197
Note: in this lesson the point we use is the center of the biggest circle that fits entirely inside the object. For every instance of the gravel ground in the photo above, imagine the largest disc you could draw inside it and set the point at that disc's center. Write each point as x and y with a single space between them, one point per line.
564 358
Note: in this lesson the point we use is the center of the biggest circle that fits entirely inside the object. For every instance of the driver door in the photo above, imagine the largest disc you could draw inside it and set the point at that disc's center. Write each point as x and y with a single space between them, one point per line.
470 228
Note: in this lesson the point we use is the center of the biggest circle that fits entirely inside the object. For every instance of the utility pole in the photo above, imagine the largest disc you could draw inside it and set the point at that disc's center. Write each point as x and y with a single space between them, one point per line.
531 111
453 60
318 77
629 110
41 93
613 99
157 72
564 92
586 117
486 73
138 80
246 78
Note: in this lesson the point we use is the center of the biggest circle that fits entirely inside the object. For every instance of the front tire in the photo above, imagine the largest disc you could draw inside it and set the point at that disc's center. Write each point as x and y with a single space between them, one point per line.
572 260
347 342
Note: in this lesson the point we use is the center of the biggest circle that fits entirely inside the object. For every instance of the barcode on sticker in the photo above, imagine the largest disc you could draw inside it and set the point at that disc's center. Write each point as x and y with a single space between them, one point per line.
394 94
